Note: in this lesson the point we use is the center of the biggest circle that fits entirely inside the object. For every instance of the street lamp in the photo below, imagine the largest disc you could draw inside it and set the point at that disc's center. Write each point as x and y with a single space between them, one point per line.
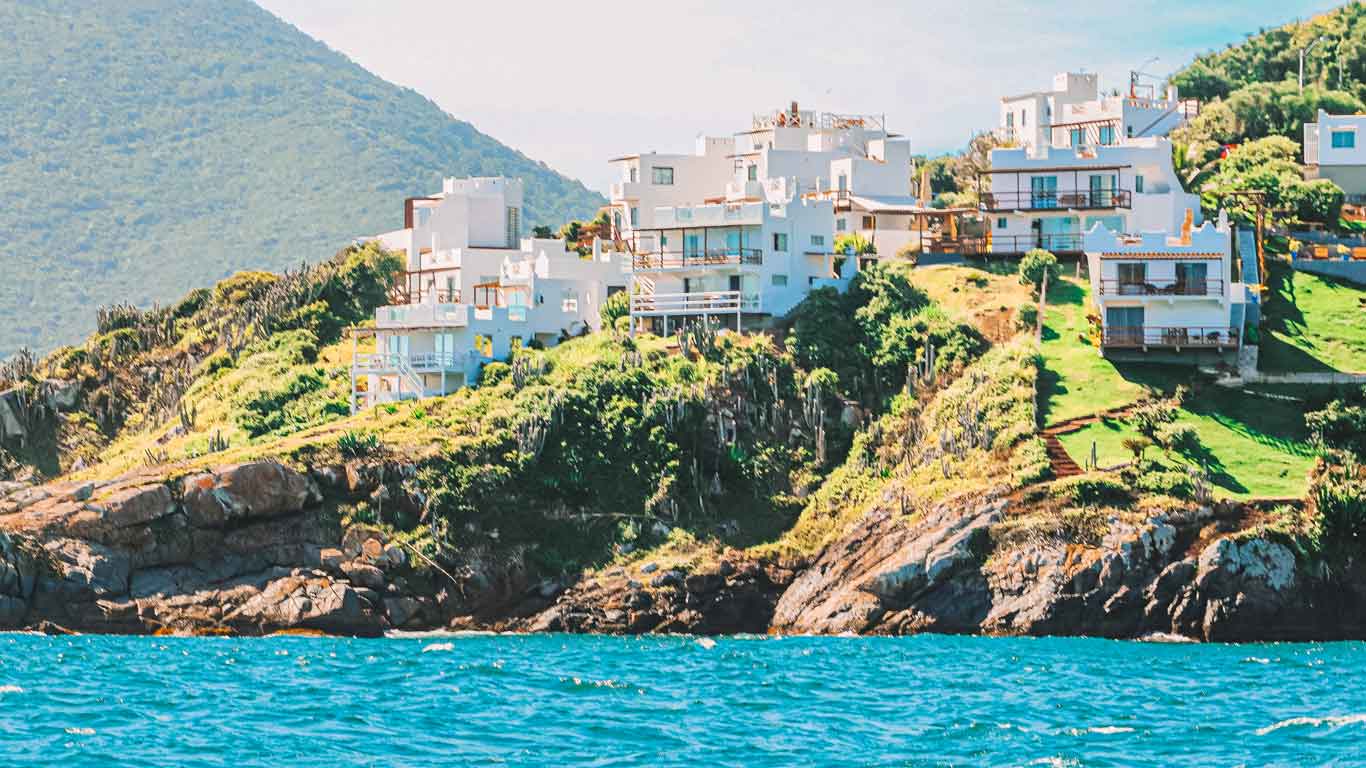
1304 51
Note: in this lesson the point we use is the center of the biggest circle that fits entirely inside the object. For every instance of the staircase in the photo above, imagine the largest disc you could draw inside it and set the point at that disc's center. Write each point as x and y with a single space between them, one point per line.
411 384
1063 465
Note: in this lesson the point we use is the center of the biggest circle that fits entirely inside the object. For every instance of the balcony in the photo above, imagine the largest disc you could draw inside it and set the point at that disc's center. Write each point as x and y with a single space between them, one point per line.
700 303
1068 200
658 261
727 214
1019 244
423 362
1176 337
429 315
1209 287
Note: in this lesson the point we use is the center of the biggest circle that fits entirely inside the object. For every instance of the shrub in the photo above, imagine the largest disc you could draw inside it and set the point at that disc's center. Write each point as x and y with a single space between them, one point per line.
1027 318
1338 493
1091 489
1029 464
1035 264
1150 416
1136 446
617 306
1178 438
353 445
494 373
1340 426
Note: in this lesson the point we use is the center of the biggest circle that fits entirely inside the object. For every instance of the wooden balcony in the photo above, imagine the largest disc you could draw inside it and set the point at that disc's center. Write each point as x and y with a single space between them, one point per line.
1010 245
1175 337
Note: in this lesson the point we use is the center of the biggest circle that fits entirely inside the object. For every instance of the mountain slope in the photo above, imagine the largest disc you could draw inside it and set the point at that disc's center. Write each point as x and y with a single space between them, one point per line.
154 145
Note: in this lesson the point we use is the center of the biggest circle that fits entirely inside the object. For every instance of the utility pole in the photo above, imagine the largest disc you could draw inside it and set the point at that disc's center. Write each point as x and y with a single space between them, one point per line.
1303 52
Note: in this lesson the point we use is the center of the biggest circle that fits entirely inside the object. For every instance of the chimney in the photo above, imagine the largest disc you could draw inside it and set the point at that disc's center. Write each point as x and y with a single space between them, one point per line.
1186 227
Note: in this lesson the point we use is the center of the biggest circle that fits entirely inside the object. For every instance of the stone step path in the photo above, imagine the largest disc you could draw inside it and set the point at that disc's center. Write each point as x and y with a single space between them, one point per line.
1062 463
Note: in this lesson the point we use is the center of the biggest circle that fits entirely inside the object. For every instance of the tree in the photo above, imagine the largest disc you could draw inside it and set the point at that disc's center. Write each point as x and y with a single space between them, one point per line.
1035 264
854 244
542 232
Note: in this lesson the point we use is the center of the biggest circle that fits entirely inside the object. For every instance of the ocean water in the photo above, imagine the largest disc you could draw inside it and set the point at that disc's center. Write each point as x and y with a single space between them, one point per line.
604 701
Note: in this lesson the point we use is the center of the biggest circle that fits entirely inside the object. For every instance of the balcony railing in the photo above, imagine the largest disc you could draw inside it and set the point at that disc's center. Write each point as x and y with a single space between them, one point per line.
1173 287
700 303
1170 336
421 361
1018 244
1057 200
415 315
695 259
401 294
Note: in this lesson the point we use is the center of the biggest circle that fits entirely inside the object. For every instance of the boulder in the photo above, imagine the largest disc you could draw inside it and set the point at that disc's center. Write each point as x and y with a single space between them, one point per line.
259 489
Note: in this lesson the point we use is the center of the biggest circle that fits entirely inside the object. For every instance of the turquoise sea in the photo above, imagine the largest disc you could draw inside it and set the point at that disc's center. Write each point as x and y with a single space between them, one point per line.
604 701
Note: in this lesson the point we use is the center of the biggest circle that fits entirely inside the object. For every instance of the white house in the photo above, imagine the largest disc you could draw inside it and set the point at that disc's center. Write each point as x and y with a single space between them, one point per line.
1074 113
1155 291
1335 148
746 225
1048 196
474 290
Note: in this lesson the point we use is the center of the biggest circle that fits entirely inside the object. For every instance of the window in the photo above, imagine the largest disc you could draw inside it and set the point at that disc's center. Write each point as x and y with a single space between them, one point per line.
869 222
1107 134
692 244
843 185
635 174
616 221
662 176
1133 278
780 241
1124 325
1010 120
1001 223
424 216
818 240
753 172
635 216
779 281
1078 137
1138 185
514 227
663 241
1024 113
484 344
1344 139
1192 278
840 225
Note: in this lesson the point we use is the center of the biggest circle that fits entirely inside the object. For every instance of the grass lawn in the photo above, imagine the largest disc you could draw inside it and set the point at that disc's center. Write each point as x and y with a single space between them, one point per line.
1312 323
1076 380
1254 447
984 294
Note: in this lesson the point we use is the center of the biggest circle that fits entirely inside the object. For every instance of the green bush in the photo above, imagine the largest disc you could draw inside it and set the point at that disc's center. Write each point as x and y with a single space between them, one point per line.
494 373
617 306
1029 464
1035 264
267 410
1341 426
354 445
1092 489
1338 494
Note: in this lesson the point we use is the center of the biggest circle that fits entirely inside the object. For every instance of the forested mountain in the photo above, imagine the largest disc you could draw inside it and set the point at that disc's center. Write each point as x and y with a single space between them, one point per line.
150 146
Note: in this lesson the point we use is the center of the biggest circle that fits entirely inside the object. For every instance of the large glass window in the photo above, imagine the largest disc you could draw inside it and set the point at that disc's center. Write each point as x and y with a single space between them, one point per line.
1043 191
780 241
1107 135
1133 278
1344 139
1192 278
662 175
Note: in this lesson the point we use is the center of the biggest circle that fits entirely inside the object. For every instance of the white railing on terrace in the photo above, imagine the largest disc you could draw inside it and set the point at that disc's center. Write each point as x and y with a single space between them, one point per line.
420 361
806 118
709 215
699 303
414 315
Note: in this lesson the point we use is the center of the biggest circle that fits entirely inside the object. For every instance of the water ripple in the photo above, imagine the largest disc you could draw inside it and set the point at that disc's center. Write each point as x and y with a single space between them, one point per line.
606 701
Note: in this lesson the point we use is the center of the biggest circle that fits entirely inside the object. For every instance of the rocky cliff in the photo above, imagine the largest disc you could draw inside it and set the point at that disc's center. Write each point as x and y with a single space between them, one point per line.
259 547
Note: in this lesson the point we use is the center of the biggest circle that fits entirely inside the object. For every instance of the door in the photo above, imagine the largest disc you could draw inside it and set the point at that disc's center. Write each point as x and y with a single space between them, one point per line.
1060 233
1043 191
1102 190
1124 326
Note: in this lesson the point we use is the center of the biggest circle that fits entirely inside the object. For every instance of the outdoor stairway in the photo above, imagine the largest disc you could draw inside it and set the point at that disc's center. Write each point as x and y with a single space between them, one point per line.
1063 466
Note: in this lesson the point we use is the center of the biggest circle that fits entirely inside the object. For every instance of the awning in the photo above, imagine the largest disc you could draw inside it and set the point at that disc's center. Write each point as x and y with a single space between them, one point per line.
901 204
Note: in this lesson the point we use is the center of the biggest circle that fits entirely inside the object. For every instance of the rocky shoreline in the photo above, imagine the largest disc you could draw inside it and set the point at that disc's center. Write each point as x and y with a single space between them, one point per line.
258 548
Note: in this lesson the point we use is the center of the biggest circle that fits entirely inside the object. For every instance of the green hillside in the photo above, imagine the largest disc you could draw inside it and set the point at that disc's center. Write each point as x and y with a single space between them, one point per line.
150 146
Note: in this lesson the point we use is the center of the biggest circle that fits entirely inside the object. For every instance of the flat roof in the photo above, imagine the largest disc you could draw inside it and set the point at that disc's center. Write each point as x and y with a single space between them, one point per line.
1058 168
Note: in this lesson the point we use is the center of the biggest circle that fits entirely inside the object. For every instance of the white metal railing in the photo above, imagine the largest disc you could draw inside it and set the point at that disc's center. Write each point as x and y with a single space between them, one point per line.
409 315
699 303
709 215
388 361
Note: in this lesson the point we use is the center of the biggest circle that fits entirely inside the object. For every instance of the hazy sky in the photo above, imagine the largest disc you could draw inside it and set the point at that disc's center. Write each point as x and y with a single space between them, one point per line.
574 83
